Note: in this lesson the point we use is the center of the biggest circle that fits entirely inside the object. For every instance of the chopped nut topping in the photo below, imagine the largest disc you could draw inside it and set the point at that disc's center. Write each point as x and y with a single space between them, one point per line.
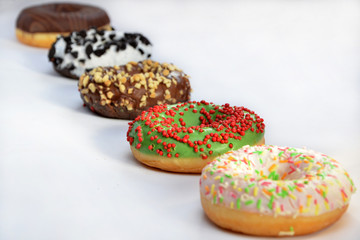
123 80
85 81
122 88
92 87
107 83
165 72
109 94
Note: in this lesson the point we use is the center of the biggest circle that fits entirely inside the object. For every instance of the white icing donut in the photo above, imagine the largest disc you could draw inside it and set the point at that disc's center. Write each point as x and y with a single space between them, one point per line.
72 55
289 191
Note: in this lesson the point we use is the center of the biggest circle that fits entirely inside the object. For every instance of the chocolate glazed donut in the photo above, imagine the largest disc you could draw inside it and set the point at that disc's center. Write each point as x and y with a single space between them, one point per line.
57 18
125 91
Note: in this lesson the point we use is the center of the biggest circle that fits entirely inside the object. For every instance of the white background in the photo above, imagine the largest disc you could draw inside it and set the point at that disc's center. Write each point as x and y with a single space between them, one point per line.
66 173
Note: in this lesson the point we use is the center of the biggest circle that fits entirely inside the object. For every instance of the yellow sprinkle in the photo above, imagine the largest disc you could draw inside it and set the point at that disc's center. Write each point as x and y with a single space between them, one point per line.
212 189
309 167
326 205
308 200
217 177
232 205
305 210
278 210
256 190
317 209
239 189
292 196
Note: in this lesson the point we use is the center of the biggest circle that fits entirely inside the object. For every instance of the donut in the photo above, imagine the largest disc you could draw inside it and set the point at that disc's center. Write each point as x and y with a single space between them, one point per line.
274 191
39 25
84 50
125 91
183 137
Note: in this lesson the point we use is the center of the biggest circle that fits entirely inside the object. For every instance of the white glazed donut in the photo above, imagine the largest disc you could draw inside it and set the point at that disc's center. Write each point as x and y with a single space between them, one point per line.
274 191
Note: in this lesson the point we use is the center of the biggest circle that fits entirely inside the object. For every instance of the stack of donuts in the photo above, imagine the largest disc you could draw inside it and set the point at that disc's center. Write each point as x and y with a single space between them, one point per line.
245 185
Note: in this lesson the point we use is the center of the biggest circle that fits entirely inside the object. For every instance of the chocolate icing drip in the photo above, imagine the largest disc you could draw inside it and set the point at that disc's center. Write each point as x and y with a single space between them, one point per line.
61 17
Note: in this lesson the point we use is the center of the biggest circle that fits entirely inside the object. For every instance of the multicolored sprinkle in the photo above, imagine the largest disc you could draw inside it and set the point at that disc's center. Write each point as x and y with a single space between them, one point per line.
277 181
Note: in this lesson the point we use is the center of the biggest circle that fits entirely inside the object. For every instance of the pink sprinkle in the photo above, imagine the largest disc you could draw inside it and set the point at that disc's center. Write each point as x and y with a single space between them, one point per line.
233 195
265 183
221 189
277 189
282 207
292 170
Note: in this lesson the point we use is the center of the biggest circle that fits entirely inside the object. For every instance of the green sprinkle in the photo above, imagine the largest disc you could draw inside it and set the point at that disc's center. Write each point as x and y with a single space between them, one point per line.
232 183
321 175
246 189
291 228
258 204
214 199
293 154
251 185
259 152
238 203
270 205
291 188
228 176
221 179
248 202
261 161
211 172
283 193
281 153
257 171
221 199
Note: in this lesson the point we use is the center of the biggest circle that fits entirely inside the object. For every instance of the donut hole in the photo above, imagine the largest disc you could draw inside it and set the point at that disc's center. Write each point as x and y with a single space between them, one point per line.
283 172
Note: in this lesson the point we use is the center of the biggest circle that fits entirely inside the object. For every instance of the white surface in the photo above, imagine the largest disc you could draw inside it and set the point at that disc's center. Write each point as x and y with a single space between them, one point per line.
66 173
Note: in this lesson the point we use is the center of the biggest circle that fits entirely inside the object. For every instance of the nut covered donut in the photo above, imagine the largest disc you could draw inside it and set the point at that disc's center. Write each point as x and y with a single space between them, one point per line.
39 25
184 137
125 91
275 191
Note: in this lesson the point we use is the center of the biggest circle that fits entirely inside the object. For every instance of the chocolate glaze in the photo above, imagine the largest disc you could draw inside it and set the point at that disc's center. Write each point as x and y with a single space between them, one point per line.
118 105
61 17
